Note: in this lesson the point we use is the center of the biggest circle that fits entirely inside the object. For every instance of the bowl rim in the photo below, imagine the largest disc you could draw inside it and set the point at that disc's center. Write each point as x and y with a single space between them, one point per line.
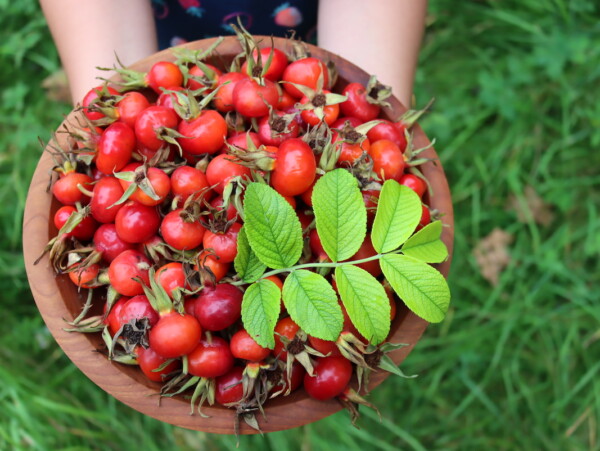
47 288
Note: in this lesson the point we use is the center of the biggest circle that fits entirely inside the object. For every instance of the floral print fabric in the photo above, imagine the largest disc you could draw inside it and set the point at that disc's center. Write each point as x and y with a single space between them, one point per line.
180 21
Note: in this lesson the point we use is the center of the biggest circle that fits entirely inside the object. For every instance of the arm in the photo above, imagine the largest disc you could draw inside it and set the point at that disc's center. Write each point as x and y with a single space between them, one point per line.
88 33
381 36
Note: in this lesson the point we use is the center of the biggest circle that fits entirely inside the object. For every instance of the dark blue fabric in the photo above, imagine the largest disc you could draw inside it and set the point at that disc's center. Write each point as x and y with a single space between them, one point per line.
180 21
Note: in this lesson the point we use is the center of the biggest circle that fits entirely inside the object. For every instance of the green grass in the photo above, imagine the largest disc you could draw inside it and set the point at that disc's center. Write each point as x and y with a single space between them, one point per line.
514 366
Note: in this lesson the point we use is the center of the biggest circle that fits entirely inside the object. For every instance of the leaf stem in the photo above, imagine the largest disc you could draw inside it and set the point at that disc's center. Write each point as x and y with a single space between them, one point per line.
318 265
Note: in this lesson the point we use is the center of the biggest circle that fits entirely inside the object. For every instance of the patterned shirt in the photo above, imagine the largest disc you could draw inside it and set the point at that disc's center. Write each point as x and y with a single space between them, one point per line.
180 21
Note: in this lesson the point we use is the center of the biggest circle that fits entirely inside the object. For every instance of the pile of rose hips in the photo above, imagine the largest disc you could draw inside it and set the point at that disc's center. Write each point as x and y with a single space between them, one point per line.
151 184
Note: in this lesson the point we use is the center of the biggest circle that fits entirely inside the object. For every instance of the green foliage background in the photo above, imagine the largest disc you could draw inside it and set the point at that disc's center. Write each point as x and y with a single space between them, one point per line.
514 366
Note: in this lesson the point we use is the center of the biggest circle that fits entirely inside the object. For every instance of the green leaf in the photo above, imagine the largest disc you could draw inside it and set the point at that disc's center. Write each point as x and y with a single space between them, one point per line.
260 310
272 227
332 98
126 195
387 364
247 265
398 213
422 288
363 129
305 90
426 244
366 302
313 304
340 214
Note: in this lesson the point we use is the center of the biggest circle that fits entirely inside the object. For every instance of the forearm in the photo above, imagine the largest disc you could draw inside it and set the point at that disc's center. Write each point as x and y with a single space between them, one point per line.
381 36
88 34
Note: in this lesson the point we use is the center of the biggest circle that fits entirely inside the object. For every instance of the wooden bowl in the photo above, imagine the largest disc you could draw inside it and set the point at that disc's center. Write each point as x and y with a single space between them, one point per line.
58 299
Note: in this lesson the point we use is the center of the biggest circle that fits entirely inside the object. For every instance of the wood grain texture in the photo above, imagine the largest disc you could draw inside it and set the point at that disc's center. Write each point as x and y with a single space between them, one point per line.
58 300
